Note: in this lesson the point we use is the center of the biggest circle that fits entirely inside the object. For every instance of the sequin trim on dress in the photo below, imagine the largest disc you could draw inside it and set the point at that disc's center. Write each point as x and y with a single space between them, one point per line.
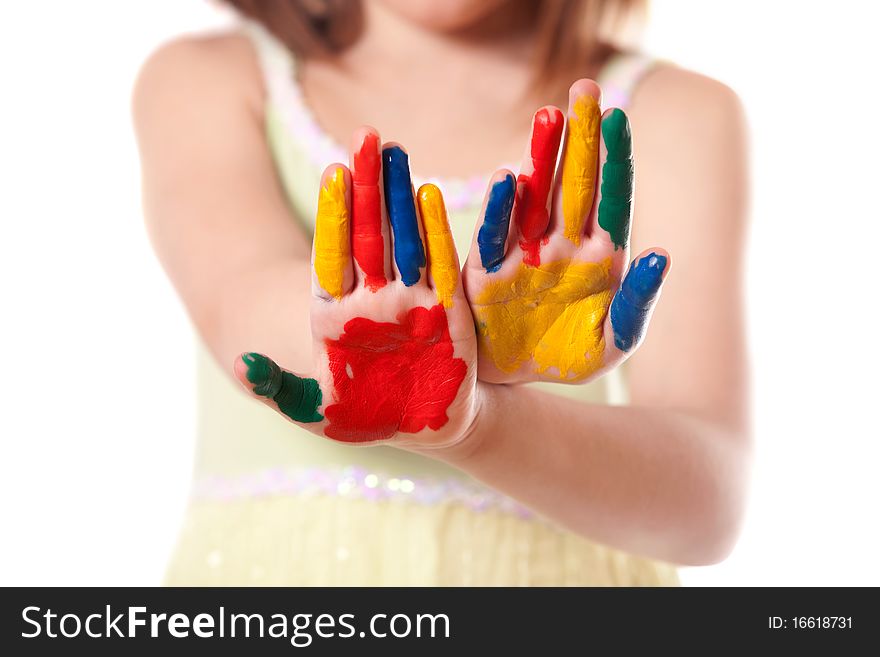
355 483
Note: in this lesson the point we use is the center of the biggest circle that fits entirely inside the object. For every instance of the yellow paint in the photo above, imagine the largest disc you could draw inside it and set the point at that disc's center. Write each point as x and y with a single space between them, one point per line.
332 245
579 166
552 315
441 247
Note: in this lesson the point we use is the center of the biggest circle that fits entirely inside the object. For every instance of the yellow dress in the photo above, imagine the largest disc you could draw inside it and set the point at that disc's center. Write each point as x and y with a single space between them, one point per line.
275 505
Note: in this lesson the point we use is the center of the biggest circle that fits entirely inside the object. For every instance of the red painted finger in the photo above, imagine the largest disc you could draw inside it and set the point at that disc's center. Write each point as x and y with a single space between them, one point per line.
533 189
368 243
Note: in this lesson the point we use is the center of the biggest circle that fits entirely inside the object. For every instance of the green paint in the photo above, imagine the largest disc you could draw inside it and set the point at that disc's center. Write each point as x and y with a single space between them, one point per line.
615 206
297 398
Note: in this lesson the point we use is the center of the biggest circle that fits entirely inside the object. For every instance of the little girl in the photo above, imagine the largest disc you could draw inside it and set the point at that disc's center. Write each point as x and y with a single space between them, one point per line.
451 427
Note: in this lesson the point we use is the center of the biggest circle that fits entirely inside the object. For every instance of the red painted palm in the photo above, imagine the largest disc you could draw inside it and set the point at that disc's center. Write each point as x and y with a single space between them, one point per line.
393 338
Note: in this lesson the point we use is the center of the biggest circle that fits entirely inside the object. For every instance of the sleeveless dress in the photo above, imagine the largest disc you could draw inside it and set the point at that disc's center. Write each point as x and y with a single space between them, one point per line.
275 505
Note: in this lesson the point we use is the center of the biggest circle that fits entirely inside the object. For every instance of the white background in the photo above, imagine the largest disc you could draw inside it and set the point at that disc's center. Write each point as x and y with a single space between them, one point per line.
96 400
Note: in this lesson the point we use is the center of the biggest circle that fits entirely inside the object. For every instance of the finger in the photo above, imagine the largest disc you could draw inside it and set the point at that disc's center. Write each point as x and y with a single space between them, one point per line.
370 239
535 180
580 158
634 302
409 253
490 240
298 398
614 215
331 259
443 268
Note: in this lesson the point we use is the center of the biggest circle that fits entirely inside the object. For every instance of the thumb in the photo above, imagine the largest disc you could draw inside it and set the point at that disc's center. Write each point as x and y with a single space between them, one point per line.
634 302
296 397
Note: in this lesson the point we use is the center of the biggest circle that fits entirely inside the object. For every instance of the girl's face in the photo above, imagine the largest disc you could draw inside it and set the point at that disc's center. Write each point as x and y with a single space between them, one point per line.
446 16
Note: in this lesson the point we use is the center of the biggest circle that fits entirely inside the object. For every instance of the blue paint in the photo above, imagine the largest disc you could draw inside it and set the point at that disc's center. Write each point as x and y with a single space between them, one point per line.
635 298
409 253
493 232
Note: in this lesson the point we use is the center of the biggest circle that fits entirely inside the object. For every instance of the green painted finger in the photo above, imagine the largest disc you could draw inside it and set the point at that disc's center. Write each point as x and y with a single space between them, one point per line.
615 206
298 398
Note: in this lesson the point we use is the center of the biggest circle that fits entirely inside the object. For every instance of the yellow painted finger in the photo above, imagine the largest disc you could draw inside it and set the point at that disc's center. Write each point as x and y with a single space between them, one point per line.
332 245
442 260
579 166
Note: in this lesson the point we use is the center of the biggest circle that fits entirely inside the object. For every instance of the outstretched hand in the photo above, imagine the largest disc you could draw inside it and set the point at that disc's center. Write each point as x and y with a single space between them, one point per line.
544 271
393 338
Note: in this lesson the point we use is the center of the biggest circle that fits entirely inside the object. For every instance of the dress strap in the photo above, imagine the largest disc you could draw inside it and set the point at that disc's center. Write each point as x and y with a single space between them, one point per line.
277 63
621 75
284 97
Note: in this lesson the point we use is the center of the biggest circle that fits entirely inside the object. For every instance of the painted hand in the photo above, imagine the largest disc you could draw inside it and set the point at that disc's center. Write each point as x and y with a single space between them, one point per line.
545 287
394 342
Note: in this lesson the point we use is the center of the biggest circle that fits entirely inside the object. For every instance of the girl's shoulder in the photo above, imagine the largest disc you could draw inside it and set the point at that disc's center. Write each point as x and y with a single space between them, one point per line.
684 121
199 70
670 96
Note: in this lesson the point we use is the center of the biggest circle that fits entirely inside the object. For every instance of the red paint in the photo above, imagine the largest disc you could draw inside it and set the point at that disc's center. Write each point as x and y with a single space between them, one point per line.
392 377
534 190
367 245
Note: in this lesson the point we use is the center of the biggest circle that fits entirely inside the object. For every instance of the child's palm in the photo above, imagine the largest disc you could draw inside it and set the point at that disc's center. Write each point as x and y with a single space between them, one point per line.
394 344
545 288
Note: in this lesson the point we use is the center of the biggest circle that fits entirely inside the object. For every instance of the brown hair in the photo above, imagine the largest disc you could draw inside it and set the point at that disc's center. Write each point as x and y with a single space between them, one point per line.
569 31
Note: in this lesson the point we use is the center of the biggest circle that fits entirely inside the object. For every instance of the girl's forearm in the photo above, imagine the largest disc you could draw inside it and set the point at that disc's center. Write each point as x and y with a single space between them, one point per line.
263 308
660 483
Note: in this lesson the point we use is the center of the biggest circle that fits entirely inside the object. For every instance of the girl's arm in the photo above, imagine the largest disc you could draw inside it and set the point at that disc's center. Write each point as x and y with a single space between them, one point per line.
214 207
665 477
659 482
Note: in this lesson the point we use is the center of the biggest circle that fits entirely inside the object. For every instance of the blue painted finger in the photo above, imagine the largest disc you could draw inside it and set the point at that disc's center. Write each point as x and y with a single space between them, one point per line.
631 306
409 252
496 220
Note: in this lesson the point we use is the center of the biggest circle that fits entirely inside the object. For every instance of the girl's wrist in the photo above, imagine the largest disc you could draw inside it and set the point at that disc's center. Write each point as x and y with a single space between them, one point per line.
482 429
